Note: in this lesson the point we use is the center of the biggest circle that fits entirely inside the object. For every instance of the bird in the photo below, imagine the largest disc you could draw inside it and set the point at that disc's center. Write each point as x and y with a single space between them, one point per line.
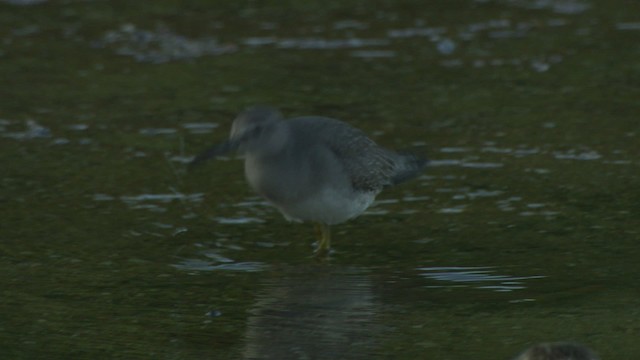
312 168
558 351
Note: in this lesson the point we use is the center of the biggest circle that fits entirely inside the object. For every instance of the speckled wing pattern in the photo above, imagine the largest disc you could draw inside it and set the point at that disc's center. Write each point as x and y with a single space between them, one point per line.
369 166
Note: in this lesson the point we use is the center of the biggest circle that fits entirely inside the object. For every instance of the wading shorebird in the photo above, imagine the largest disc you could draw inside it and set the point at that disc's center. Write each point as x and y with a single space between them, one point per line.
313 168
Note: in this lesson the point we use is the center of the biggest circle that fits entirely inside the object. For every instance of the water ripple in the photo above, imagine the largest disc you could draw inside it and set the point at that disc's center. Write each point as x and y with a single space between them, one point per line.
203 265
481 277
159 46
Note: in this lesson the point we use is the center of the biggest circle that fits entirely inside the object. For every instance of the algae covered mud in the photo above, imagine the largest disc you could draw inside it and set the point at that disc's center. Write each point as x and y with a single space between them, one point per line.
523 230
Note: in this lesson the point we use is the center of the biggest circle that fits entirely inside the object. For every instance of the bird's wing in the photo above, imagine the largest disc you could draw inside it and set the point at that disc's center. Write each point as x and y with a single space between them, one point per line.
369 166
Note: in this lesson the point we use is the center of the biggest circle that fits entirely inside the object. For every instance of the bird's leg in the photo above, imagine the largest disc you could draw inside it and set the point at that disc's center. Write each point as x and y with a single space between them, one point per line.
323 233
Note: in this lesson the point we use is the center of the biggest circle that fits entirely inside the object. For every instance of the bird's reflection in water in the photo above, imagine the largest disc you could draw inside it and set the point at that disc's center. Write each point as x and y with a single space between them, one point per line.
314 312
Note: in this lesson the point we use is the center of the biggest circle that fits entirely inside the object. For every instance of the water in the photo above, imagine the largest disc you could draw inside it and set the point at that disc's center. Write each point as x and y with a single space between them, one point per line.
523 230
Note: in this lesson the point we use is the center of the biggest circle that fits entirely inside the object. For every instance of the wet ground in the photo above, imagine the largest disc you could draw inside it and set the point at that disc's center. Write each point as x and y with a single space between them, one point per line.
524 229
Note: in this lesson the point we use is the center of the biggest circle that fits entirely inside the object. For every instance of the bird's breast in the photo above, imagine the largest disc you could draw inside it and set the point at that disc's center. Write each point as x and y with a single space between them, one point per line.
277 181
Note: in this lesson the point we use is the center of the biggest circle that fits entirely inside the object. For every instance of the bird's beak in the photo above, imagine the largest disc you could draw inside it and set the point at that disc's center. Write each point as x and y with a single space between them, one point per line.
214 151
236 143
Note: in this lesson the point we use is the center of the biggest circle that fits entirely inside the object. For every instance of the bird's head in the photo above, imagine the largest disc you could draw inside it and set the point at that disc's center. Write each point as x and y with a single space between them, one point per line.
258 130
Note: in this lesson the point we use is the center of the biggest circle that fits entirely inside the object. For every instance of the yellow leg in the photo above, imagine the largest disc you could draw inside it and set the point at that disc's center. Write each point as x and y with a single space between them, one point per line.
323 233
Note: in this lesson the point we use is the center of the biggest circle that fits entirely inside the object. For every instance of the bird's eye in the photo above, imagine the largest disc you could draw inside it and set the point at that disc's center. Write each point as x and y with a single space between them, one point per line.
258 130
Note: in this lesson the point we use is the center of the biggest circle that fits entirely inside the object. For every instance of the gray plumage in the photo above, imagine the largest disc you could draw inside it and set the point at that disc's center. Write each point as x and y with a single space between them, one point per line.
558 351
313 168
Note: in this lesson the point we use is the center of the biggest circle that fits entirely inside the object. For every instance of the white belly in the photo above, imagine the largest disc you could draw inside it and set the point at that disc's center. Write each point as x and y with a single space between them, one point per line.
323 194
328 207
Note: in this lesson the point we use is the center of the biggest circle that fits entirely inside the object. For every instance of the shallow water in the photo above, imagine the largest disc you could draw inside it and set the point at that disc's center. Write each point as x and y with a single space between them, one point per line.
524 229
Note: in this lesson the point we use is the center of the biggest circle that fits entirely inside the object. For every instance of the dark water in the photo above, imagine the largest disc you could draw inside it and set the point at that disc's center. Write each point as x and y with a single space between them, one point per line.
524 229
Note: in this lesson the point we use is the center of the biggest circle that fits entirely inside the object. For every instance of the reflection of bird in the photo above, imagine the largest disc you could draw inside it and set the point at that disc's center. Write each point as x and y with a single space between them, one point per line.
314 312
557 351
313 168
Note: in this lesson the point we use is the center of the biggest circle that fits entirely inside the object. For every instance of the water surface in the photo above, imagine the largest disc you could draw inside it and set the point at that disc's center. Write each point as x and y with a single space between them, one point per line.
524 228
